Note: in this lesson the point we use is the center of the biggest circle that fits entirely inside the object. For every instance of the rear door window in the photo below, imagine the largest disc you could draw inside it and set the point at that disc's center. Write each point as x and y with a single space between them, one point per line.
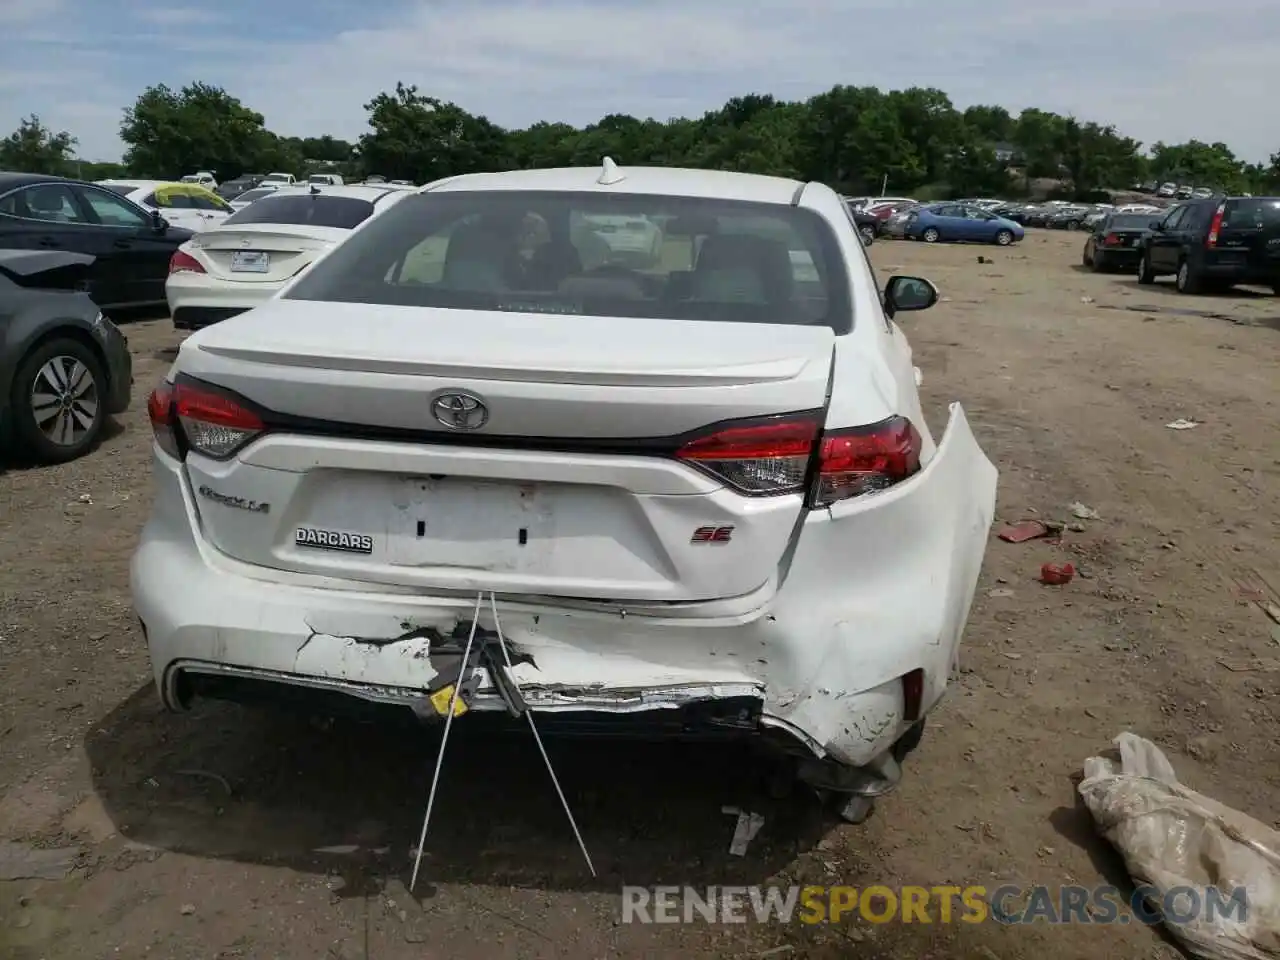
50 202
1252 213
209 203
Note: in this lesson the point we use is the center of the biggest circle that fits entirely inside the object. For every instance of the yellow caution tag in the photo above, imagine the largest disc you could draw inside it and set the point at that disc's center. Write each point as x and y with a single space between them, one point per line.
440 701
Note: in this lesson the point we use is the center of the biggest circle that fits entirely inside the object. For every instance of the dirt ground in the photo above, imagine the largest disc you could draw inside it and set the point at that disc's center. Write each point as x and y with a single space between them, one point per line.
202 835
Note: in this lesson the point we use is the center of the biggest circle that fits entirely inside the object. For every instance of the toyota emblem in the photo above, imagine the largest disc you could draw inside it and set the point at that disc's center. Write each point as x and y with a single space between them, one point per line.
460 411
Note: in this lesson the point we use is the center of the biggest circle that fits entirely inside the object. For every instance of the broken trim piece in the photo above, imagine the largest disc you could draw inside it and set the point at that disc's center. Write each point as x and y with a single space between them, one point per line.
548 699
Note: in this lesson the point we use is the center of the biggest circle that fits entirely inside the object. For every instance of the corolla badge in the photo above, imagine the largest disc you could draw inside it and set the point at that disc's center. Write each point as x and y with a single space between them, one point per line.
460 411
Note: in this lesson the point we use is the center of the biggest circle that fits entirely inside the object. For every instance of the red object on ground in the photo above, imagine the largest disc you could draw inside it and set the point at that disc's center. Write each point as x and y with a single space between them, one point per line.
1056 574
1023 531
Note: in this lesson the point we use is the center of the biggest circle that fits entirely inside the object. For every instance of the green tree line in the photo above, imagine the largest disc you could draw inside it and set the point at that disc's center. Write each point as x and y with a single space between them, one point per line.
857 139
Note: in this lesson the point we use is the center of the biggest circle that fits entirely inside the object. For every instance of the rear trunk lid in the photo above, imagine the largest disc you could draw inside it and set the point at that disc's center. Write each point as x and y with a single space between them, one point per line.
569 489
262 253
1252 225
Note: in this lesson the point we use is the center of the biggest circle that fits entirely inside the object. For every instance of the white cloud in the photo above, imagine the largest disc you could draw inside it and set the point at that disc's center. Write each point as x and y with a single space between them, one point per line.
177 16
18 12
1168 71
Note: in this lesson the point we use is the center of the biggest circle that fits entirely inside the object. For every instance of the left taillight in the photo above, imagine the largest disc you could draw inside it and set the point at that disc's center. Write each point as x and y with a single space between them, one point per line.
183 262
186 416
163 422
768 457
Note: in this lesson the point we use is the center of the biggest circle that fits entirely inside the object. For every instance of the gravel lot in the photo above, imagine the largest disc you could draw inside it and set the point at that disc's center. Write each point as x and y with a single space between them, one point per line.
199 834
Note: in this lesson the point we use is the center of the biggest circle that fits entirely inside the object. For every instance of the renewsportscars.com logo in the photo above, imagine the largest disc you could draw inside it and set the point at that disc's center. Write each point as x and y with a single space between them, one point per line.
1006 904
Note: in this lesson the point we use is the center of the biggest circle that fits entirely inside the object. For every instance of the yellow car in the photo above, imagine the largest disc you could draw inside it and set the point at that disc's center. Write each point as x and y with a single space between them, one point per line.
186 205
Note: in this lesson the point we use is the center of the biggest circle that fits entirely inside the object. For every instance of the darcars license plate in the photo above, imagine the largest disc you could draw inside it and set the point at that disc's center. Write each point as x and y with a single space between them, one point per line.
250 261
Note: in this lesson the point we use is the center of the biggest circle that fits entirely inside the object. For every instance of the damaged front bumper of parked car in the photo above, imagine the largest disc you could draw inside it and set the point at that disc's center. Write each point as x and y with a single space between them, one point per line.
839 668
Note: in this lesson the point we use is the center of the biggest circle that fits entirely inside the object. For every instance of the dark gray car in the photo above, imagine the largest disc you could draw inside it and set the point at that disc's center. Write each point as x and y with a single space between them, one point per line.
64 367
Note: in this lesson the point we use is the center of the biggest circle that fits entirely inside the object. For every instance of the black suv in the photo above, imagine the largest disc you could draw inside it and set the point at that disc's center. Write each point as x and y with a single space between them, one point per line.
1215 243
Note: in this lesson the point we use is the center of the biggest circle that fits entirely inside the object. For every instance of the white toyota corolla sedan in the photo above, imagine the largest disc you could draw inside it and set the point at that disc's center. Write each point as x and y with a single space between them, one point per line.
702 491
244 260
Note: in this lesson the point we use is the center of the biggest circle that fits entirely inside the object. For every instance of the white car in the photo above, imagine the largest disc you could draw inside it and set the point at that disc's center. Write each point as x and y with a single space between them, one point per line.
256 193
283 179
204 178
248 257
187 205
636 237
707 494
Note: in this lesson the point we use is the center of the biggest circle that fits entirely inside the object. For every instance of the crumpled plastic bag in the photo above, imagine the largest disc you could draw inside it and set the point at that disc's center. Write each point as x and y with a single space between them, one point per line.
1171 836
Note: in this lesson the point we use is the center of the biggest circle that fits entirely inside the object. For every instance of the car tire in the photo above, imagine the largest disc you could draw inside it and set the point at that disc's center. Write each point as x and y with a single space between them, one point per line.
70 374
868 235
1073 224
1004 238
931 235
1187 280
1146 275
1085 259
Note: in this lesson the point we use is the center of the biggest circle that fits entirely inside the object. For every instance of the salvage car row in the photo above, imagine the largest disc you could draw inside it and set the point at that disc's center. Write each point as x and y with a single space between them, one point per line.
1208 245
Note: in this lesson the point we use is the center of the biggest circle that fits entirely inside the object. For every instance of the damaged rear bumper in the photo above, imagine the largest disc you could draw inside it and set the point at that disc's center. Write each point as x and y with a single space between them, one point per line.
877 589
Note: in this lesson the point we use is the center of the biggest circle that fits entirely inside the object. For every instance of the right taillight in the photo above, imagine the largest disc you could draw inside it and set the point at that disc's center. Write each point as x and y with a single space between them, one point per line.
1215 226
186 416
778 455
183 262
860 460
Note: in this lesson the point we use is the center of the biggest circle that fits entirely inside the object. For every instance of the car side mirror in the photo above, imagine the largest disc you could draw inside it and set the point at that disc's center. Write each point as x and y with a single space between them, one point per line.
1156 225
908 293
158 223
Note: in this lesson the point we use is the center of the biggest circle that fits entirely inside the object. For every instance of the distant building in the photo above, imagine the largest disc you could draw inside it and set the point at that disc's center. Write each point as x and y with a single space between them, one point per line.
1005 152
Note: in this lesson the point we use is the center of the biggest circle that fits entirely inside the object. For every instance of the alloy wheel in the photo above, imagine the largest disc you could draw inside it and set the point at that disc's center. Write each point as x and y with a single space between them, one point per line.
64 400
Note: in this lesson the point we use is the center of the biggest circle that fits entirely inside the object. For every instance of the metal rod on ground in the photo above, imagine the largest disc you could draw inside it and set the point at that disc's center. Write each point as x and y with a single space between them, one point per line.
444 742
506 656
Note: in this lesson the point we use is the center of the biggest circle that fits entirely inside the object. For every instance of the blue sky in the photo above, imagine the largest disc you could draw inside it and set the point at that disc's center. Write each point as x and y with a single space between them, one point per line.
1158 69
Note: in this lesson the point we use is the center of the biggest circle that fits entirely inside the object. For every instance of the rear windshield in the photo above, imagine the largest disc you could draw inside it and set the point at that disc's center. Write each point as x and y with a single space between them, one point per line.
1130 221
588 254
250 195
1252 213
316 210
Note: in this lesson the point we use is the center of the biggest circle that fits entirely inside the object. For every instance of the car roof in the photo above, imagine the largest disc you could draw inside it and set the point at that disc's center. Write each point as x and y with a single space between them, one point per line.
134 184
662 181
354 191
11 179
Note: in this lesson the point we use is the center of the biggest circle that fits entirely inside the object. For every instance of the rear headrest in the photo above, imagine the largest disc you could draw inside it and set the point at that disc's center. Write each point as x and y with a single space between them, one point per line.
476 241
767 262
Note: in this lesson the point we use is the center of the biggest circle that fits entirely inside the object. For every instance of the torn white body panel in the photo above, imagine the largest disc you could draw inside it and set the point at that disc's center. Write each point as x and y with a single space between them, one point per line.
877 587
